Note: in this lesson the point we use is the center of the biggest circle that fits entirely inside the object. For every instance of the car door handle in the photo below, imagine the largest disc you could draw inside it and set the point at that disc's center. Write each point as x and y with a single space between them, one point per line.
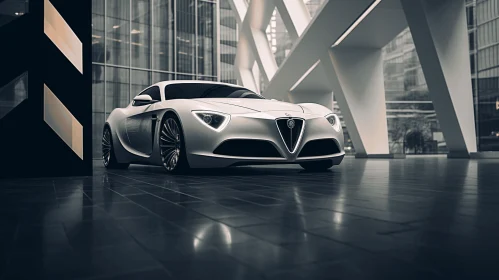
154 117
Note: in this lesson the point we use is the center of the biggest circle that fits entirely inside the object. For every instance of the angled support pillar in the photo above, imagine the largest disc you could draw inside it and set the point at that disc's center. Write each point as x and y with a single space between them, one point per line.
240 8
255 23
253 45
441 38
358 85
244 63
295 16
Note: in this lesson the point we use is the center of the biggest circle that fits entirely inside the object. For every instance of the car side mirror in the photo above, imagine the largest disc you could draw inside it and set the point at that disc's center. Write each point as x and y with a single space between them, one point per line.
143 99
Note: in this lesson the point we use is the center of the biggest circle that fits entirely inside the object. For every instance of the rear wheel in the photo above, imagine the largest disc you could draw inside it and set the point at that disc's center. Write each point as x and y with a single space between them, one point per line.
172 145
322 165
108 156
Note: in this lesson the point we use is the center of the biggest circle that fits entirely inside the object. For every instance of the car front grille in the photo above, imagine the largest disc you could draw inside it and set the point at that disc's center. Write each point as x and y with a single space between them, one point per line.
290 130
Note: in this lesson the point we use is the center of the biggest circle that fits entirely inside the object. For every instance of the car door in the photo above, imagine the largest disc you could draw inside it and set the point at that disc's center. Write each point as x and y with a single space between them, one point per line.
141 121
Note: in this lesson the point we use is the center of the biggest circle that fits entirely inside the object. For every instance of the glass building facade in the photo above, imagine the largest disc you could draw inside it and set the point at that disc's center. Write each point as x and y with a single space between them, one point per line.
136 43
228 43
483 22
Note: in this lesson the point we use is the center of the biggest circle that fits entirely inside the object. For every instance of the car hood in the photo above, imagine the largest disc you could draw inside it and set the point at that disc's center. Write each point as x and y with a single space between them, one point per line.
257 105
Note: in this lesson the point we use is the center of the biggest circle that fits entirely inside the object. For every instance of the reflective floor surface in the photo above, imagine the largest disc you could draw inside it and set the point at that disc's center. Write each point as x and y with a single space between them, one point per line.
418 218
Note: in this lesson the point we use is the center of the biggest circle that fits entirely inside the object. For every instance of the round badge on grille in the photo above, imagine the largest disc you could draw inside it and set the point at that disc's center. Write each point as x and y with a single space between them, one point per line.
291 123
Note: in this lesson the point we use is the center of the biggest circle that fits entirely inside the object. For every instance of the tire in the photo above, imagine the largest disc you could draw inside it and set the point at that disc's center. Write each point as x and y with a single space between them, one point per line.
172 145
108 157
322 165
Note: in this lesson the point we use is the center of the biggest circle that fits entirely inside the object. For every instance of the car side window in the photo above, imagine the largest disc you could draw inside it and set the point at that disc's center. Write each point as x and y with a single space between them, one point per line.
153 92
173 91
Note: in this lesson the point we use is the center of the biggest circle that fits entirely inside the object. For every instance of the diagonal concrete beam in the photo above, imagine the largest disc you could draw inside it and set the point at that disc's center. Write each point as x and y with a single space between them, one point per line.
358 86
441 38
295 16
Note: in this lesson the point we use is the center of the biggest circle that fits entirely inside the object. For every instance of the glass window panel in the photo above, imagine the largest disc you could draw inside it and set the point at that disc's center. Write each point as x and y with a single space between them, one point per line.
207 78
140 80
13 93
206 38
12 9
98 120
228 43
140 33
186 36
117 88
98 89
184 77
160 77
163 32
118 32
98 31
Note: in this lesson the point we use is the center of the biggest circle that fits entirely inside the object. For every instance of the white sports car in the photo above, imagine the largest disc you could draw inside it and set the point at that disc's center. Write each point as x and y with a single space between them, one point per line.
196 124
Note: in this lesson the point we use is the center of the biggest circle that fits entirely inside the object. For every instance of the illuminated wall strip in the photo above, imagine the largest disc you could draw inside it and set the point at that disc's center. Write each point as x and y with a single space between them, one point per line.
59 32
305 75
357 22
58 117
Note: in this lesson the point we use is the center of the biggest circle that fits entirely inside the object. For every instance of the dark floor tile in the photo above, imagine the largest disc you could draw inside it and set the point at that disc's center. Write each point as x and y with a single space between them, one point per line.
218 212
242 221
263 256
210 264
41 239
213 232
125 210
155 274
148 225
128 257
90 235
276 234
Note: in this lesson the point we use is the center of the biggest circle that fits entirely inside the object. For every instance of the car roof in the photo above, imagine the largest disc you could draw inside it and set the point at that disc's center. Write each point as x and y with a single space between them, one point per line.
165 83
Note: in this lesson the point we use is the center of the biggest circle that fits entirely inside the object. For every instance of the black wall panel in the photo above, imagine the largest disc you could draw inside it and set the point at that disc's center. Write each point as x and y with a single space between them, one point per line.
29 147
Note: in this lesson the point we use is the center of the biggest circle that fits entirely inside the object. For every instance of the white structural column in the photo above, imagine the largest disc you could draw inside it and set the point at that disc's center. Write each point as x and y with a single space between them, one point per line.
253 44
244 63
315 87
254 28
440 34
239 8
358 86
294 15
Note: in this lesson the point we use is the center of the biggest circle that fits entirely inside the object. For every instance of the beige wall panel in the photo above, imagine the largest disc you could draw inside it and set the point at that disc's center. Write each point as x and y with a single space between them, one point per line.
58 117
59 32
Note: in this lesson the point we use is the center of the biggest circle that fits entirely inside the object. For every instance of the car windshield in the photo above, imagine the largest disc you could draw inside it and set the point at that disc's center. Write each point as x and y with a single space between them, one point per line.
200 90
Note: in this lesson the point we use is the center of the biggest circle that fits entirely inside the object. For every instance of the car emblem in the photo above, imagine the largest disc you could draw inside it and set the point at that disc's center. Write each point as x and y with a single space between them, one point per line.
291 123
287 114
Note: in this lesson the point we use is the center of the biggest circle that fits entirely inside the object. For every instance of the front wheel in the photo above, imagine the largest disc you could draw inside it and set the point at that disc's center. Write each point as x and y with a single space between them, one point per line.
108 157
322 165
172 145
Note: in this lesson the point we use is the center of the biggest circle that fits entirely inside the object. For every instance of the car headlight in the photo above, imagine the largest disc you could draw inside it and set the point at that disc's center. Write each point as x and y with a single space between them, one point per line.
214 120
334 121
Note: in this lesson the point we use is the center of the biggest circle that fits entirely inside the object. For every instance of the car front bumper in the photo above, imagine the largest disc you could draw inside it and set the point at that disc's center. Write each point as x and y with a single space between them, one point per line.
202 141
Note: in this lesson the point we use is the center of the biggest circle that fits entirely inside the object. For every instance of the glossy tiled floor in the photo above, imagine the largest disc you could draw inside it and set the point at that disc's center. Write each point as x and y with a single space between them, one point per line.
419 218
